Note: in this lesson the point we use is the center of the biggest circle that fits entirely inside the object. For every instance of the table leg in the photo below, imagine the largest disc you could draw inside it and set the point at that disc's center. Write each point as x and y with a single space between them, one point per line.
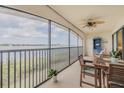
96 75
99 77
103 75
100 81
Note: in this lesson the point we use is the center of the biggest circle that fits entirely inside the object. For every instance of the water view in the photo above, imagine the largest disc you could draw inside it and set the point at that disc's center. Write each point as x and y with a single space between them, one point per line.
25 56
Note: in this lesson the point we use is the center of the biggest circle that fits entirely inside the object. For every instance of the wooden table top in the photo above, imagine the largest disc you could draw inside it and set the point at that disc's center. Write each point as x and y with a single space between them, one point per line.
105 64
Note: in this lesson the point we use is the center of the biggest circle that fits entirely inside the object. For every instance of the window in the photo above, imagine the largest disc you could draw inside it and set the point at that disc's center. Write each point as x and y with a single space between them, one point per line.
73 46
19 32
80 45
118 42
73 39
59 36
59 41
80 42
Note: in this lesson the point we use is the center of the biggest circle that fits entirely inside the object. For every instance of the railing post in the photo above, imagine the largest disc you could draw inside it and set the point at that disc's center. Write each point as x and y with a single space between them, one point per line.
49 36
29 67
14 69
25 68
36 67
1 70
78 44
8 69
20 62
69 45
33 68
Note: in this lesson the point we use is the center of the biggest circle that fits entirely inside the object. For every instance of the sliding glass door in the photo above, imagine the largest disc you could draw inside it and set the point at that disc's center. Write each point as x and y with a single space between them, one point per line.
119 42
118 39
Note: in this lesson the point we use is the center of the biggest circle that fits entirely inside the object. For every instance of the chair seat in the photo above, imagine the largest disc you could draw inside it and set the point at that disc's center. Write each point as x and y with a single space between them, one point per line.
89 70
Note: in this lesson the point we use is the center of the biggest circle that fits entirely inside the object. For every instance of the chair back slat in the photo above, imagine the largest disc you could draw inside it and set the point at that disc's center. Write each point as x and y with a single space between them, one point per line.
97 59
81 60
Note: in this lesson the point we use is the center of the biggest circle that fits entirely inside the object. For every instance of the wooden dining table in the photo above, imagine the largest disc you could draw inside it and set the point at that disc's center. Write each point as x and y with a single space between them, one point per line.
99 67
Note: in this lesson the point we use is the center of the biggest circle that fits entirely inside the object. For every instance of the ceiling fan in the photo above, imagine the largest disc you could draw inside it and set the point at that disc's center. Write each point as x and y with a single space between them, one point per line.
92 22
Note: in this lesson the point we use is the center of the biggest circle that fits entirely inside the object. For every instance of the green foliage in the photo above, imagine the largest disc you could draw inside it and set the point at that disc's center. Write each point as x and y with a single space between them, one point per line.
115 54
52 73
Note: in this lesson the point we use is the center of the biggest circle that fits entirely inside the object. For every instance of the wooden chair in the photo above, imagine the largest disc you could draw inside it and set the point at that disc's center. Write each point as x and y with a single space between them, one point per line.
116 76
86 69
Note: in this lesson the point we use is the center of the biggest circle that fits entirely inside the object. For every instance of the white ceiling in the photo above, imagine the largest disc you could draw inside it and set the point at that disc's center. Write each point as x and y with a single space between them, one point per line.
76 13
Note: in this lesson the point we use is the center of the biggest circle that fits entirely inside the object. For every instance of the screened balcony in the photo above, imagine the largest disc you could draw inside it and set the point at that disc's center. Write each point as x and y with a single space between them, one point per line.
31 45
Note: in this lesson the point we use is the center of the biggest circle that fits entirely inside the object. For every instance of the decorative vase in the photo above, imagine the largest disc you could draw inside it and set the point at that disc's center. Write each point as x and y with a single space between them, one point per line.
55 78
114 60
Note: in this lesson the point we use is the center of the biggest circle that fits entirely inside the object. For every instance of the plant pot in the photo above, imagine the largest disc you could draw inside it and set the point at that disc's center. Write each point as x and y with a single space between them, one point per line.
55 78
114 60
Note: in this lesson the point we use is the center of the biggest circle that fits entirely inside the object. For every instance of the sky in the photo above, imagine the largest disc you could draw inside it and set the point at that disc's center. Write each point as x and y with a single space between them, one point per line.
21 30
14 29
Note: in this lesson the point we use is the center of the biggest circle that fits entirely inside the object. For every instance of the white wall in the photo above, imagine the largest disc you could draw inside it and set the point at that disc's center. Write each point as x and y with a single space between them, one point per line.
107 42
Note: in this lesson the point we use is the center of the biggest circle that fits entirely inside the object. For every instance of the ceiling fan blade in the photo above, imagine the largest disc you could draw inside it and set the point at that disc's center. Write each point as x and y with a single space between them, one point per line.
96 17
85 26
99 22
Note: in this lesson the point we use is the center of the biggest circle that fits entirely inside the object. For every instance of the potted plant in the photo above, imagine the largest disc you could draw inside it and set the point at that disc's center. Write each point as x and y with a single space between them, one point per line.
114 56
52 73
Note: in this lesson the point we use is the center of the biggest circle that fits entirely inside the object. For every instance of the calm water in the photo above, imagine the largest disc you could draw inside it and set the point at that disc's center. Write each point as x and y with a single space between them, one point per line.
21 47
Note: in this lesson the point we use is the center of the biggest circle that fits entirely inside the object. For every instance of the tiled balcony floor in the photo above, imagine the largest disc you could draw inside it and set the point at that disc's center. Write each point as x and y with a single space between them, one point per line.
68 78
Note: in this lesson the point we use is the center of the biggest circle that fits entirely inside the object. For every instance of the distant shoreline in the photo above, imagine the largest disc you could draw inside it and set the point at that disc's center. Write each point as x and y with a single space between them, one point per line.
28 45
